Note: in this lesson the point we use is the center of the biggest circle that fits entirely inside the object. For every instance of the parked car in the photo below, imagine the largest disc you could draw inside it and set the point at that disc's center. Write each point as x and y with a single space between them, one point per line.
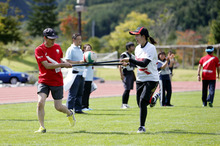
7 75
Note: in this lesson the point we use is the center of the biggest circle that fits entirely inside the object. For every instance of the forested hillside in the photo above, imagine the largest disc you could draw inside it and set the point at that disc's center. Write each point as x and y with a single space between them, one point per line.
107 14
187 14
171 22
171 17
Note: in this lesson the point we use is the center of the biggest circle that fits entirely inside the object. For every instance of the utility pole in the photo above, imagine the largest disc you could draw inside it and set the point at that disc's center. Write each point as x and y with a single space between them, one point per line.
79 9
93 28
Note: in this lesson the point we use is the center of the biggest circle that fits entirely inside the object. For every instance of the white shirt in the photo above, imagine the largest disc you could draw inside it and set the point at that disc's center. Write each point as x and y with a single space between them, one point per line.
74 53
150 72
89 73
166 70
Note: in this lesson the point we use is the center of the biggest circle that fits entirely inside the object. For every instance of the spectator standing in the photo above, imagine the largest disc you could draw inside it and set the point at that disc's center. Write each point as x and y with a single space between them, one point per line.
74 55
88 81
164 79
171 63
209 64
127 74
147 74
49 58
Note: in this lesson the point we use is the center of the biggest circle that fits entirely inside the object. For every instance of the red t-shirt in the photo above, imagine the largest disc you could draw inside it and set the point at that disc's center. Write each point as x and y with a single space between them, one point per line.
51 77
209 64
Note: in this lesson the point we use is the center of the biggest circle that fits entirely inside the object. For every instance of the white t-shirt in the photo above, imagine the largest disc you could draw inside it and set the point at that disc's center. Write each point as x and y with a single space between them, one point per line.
74 53
89 73
150 72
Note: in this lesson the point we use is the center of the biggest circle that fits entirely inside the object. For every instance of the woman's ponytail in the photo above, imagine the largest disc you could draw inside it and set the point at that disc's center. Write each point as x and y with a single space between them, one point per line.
152 40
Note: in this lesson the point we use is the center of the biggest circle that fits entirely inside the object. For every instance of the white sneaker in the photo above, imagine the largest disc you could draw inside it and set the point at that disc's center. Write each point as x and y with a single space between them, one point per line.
85 109
125 106
141 129
154 99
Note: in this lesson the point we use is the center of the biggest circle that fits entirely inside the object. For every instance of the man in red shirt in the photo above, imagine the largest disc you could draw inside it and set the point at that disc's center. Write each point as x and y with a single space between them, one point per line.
49 58
210 64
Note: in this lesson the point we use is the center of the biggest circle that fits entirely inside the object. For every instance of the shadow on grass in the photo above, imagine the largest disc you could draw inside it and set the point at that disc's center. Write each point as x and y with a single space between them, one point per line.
111 110
134 133
182 106
26 62
90 132
184 132
91 114
19 120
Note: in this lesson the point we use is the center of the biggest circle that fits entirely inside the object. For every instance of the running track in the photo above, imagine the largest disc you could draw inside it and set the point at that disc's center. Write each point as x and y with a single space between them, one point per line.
108 89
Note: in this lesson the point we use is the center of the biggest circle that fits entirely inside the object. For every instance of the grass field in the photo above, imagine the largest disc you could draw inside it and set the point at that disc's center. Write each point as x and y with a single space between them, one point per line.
188 123
179 74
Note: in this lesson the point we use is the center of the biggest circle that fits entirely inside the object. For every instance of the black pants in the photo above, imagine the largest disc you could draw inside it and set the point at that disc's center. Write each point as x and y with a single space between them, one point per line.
128 82
205 85
125 96
86 94
165 92
145 91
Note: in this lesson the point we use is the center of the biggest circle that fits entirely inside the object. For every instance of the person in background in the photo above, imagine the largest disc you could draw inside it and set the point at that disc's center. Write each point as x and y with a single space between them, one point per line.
164 79
127 74
88 82
49 58
171 63
147 74
209 64
74 55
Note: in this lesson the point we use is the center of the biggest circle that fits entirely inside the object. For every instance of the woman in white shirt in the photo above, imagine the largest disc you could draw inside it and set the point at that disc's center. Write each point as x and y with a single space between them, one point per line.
147 74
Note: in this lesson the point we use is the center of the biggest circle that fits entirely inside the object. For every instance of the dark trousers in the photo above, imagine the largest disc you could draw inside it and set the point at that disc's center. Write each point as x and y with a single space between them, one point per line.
74 100
125 97
205 85
145 90
128 82
165 92
86 94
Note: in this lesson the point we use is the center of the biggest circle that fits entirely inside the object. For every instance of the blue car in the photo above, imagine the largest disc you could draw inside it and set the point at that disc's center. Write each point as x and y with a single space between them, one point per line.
9 76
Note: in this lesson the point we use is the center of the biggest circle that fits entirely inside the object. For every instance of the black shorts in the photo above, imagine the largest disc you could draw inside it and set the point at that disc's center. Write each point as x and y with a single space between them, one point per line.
56 91
145 90
128 81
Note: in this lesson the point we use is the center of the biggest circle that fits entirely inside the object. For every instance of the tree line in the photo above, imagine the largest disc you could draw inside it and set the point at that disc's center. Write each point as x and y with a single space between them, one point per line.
169 22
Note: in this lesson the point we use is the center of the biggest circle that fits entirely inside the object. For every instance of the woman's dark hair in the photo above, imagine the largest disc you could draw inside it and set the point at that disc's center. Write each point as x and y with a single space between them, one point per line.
84 47
152 40
145 32
160 54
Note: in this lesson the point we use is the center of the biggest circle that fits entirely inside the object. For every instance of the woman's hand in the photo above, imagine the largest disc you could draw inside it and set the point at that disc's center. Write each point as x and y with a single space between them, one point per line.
124 61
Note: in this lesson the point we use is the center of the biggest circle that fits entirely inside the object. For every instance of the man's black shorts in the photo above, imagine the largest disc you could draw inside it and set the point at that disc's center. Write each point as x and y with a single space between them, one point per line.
56 91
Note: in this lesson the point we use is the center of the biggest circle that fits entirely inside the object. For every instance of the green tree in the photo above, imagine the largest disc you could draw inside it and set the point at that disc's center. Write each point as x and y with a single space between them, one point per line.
9 24
121 36
2 51
69 22
163 25
95 43
215 30
194 13
43 15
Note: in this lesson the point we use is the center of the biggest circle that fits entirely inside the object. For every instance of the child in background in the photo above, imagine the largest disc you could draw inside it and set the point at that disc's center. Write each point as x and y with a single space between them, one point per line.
164 79
88 82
